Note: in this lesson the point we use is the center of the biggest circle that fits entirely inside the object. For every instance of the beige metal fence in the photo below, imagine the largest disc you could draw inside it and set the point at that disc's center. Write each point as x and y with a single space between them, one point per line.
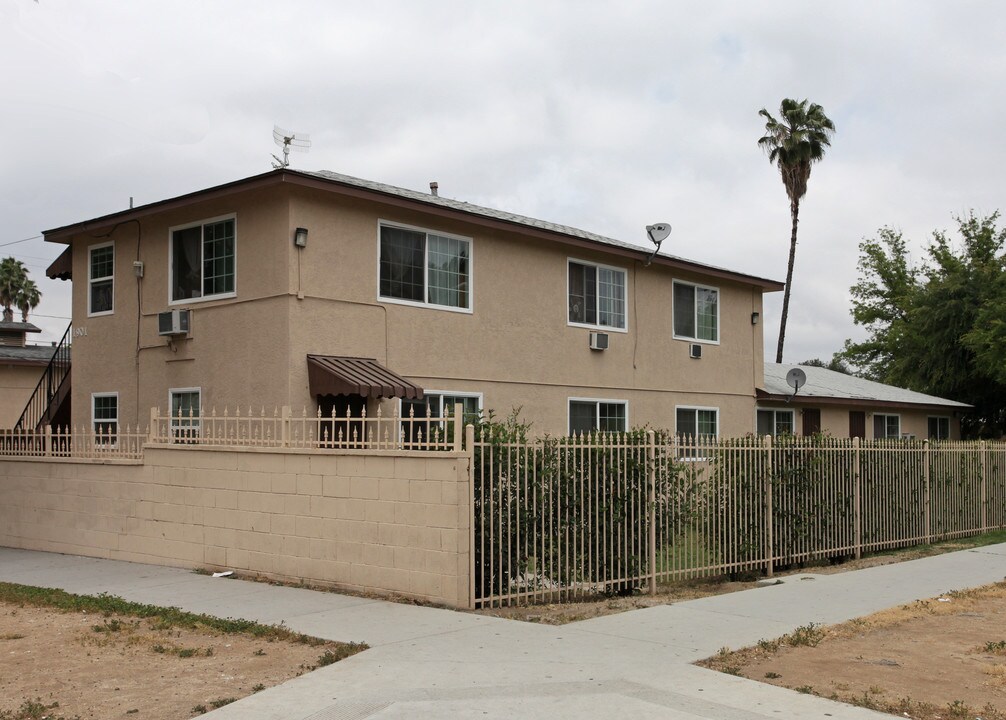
281 428
566 517
108 443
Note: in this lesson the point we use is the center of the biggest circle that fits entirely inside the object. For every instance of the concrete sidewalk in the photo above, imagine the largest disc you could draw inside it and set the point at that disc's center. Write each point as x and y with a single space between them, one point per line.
429 663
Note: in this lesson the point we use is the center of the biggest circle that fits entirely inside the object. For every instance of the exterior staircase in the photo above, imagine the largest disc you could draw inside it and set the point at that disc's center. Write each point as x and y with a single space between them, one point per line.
49 404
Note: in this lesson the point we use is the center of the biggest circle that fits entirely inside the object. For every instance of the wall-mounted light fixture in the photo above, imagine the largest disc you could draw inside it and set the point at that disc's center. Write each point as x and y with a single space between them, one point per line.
300 237
754 318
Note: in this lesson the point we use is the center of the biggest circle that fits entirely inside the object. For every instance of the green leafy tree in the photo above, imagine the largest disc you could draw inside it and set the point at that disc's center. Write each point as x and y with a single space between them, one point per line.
17 290
931 326
794 142
13 275
835 364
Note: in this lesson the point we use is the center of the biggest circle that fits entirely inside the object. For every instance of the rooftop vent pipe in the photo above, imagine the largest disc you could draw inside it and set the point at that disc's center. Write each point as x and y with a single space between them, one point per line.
434 186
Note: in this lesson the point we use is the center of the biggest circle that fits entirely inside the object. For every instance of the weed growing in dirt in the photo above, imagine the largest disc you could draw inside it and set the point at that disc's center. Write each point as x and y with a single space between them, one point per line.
995 648
810 634
32 710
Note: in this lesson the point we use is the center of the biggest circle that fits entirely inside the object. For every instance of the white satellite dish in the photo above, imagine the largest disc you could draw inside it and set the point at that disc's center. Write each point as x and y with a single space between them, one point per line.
300 142
796 379
657 233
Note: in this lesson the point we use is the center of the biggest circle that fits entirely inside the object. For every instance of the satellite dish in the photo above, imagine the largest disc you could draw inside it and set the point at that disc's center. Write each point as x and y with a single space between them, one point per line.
796 379
657 233
301 142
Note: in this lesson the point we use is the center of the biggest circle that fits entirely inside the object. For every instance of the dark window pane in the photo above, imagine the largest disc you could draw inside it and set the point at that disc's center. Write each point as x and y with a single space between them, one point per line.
582 417
582 293
684 310
612 417
402 264
766 422
186 266
685 422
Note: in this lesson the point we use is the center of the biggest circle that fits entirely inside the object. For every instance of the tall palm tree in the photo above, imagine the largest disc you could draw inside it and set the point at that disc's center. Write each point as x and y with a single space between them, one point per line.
13 274
28 297
794 142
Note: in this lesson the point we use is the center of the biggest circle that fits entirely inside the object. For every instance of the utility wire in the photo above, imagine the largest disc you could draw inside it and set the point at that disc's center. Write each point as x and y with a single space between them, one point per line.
15 242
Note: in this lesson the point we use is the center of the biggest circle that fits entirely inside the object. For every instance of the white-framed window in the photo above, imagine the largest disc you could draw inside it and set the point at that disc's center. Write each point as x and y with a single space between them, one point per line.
696 312
438 404
100 279
423 267
596 295
775 422
939 427
886 426
185 405
701 422
202 258
105 417
597 415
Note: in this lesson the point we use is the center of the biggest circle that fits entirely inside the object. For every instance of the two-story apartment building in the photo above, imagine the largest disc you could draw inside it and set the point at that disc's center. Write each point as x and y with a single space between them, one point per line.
312 289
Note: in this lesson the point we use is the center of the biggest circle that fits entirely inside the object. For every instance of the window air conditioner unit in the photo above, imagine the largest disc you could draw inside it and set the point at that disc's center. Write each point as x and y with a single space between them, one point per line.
695 351
598 341
173 322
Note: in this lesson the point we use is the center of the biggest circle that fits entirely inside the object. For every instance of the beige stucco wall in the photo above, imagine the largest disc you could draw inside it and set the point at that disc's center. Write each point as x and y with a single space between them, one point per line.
17 382
393 523
835 418
515 347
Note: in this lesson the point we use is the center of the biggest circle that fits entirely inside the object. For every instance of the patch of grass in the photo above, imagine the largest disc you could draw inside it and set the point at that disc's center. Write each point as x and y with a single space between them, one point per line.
162 618
772 675
260 652
810 635
995 648
32 710
805 689
199 709
182 652
109 626
12 636
258 687
340 653
219 703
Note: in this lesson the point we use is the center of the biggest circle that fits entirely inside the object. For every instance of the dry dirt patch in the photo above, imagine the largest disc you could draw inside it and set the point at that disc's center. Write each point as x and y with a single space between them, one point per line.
933 659
109 665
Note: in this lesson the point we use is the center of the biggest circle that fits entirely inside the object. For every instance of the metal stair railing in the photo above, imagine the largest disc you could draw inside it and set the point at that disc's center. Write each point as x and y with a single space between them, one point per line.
50 389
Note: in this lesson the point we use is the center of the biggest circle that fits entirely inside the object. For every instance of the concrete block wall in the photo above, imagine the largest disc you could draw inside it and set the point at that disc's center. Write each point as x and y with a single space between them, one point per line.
382 522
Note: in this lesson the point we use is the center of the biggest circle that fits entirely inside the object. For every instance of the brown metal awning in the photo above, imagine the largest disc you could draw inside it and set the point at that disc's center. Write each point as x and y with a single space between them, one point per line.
62 267
331 375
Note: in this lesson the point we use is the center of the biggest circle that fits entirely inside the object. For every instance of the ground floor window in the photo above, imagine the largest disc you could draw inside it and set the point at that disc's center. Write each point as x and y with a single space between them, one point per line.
105 417
697 422
587 415
185 409
775 422
939 428
437 404
886 426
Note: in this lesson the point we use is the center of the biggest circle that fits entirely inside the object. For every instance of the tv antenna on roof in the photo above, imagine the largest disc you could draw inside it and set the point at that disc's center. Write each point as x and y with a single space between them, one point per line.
301 142
796 379
657 233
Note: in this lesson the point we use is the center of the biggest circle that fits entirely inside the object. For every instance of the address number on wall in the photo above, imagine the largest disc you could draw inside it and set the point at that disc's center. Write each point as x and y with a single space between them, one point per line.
79 331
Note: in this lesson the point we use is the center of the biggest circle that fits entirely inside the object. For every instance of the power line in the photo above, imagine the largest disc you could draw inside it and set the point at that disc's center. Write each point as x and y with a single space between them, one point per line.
14 242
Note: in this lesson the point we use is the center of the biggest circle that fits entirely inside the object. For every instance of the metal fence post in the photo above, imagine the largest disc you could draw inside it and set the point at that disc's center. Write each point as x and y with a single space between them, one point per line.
651 508
927 529
857 515
285 426
984 486
769 510
470 445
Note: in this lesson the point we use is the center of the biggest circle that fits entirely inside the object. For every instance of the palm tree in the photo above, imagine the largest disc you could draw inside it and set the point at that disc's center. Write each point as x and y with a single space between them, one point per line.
28 298
794 142
13 274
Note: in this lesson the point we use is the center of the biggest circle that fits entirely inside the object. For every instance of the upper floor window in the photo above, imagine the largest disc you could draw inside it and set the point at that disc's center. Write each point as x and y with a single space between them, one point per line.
696 312
202 260
597 415
425 268
939 428
775 422
886 426
100 279
596 295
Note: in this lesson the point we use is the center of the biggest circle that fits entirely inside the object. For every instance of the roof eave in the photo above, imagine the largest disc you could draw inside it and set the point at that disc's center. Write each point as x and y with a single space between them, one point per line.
823 400
285 175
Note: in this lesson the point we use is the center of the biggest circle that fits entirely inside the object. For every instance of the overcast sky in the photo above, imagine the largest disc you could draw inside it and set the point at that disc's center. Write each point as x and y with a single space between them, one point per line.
604 116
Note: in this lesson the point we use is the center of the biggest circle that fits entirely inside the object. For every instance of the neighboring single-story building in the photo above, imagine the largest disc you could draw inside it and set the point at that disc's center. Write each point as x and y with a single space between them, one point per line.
21 367
847 406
